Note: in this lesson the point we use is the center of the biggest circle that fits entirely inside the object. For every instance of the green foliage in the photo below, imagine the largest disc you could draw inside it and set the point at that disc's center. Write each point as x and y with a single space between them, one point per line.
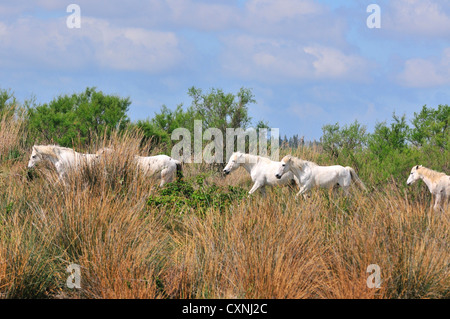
348 139
181 196
159 129
151 132
431 127
387 139
389 156
80 117
8 104
216 109
222 110
168 120
6 100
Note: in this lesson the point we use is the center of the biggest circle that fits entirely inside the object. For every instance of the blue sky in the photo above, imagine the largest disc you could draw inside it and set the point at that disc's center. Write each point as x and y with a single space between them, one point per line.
309 63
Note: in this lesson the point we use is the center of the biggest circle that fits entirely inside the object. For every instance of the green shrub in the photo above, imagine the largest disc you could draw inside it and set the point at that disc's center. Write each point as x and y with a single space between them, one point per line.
78 117
182 196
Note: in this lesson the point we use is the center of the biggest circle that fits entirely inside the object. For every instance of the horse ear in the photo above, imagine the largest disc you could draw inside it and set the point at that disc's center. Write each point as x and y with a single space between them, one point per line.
417 167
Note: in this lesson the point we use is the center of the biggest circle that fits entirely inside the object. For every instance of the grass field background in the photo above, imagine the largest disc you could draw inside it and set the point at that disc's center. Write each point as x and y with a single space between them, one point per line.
273 246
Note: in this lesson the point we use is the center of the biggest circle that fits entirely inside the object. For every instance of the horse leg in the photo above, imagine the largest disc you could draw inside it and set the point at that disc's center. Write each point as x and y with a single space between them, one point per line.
302 191
167 176
254 188
163 180
437 202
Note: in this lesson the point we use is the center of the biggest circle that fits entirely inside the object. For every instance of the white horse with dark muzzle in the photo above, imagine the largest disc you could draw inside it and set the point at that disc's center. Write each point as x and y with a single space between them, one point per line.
438 184
312 175
65 159
261 169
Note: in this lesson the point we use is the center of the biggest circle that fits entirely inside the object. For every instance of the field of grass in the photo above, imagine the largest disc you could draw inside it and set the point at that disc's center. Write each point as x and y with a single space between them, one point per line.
272 246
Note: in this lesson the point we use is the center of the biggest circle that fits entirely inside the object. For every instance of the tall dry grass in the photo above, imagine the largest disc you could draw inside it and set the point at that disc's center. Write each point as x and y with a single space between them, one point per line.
261 247
11 131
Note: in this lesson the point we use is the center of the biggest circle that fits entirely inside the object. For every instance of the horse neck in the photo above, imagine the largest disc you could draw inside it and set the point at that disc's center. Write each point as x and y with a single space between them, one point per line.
427 180
300 166
52 159
250 162
50 156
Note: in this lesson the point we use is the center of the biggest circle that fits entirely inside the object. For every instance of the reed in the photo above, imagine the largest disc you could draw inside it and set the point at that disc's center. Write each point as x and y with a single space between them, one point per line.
272 246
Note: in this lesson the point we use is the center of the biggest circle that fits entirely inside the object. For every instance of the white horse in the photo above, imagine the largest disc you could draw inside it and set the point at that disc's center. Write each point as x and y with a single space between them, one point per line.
165 167
261 169
438 184
312 175
64 159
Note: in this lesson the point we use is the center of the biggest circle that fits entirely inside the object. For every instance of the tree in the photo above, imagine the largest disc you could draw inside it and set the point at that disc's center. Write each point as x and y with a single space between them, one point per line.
159 129
78 117
431 127
220 110
346 139
386 139
169 120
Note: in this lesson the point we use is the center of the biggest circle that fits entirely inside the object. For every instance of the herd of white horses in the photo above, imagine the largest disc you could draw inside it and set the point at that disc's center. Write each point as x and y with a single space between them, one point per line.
263 171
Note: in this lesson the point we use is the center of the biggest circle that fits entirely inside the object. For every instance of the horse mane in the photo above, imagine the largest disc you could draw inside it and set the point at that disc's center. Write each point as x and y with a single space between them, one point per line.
51 150
431 174
297 161
104 150
258 158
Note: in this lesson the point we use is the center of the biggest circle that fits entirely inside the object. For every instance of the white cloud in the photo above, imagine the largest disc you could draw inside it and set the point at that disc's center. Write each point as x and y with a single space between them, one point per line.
31 41
266 59
134 49
422 73
271 11
428 18
332 63
276 60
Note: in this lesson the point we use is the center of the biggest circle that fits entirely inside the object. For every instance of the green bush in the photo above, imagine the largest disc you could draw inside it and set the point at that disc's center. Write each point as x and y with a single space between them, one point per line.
79 117
183 196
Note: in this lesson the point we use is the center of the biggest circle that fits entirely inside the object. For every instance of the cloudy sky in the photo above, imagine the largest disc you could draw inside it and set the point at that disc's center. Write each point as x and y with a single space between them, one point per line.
309 63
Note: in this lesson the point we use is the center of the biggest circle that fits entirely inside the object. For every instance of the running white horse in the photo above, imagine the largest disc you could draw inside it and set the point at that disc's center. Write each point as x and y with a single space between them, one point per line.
438 184
261 169
64 159
163 166
312 175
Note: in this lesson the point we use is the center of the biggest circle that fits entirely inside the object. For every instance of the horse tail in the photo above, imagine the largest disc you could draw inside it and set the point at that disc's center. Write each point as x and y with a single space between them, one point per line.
356 179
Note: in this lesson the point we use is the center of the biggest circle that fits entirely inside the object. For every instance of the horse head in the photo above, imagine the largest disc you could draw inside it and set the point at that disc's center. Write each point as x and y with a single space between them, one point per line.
284 167
234 162
35 157
414 175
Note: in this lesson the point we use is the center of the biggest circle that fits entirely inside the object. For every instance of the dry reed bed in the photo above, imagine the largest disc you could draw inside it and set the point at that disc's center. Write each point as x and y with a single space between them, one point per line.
261 247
